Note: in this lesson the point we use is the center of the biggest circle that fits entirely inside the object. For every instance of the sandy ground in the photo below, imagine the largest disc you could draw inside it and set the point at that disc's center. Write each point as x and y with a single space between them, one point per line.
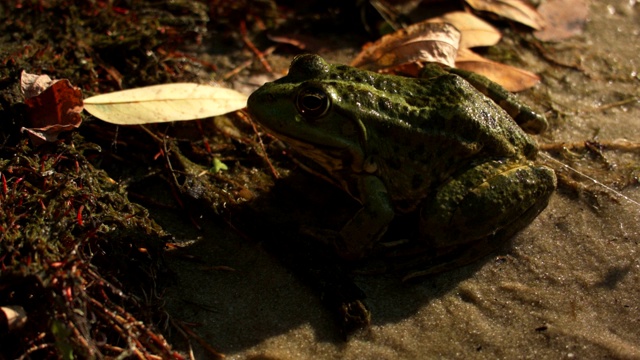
567 287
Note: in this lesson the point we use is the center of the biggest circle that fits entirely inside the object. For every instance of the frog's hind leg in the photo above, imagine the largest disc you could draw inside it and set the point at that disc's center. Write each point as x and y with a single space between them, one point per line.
444 260
472 215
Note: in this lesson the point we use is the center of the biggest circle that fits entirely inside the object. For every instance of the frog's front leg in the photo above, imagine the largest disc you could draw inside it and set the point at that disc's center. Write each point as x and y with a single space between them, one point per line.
359 235
492 199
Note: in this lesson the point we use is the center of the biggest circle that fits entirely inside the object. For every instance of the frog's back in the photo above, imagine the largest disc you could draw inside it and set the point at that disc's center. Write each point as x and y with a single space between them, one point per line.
445 109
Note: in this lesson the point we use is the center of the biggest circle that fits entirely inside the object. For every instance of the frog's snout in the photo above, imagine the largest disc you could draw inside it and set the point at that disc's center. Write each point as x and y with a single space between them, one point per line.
253 100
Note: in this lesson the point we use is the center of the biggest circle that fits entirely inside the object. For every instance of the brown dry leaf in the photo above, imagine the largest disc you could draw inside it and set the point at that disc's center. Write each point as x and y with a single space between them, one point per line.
473 30
516 10
509 77
54 106
430 42
164 103
564 18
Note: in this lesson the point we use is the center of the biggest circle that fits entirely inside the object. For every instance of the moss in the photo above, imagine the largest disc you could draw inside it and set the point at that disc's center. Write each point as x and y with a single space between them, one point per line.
74 251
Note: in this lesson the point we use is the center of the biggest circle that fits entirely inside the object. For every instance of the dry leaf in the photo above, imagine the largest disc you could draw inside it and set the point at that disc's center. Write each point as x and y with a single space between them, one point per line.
509 77
54 106
564 19
473 30
164 103
429 42
516 10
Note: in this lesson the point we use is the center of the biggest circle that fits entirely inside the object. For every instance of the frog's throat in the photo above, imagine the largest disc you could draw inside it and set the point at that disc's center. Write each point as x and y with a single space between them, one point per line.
333 157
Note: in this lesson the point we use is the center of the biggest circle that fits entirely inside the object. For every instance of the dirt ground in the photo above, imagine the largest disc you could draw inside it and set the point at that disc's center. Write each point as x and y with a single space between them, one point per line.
567 287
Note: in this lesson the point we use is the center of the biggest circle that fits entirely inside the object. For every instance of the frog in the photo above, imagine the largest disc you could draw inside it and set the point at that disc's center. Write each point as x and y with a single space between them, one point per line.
450 147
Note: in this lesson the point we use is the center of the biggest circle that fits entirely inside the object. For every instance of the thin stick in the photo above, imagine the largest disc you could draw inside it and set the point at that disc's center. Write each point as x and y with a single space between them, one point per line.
592 179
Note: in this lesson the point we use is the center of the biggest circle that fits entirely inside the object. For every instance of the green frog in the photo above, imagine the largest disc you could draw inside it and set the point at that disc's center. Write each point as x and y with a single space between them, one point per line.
450 147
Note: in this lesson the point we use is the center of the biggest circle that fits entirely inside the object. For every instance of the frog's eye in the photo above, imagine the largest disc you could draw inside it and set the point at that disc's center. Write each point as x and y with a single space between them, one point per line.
313 102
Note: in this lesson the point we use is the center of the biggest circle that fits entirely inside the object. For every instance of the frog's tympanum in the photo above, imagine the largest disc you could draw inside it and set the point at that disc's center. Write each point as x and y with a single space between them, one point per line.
435 146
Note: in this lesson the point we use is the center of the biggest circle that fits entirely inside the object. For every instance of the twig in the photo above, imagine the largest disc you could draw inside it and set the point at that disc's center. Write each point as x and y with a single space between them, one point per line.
34 349
200 340
610 145
247 119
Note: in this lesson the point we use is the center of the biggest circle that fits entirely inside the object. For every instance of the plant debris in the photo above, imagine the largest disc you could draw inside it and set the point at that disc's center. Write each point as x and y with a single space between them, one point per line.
80 261
68 234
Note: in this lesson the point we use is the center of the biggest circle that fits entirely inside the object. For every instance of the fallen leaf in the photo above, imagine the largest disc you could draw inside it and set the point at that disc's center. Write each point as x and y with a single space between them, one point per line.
564 19
54 106
429 42
473 30
516 10
164 103
509 77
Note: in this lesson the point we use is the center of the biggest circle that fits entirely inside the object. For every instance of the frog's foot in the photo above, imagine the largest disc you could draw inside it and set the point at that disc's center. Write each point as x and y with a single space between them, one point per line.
354 315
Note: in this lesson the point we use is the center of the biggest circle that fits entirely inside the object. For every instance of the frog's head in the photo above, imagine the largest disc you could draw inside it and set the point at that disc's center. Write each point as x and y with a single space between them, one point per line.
304 109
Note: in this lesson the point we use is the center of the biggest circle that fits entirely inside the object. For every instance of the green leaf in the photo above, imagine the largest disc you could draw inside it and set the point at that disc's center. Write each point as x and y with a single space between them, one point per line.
218 166
61 333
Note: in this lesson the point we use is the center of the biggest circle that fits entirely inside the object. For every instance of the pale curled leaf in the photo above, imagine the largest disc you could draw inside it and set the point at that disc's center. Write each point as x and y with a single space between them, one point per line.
473 30
164 103
33 84
516 10
12 317
428 42
509 77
